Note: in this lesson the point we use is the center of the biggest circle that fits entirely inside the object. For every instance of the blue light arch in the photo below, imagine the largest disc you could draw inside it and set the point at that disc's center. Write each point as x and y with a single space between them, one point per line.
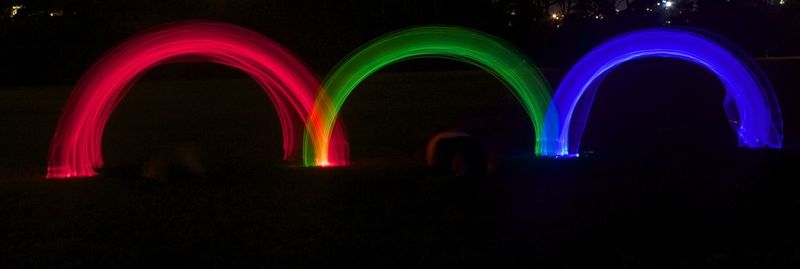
750 103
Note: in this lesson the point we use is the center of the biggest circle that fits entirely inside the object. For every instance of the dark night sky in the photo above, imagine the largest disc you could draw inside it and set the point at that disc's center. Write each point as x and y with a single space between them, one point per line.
59 49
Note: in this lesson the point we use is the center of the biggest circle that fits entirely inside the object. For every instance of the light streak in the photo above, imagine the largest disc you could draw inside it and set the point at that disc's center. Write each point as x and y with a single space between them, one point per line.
492 54
75 150
750 103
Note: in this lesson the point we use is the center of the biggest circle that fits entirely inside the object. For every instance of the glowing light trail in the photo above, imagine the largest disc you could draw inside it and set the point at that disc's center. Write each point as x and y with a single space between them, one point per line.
510 66
750 103
75 149
430 148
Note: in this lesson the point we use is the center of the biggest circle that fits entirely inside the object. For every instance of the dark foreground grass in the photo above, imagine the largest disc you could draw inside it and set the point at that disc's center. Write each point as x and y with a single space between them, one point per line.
671 194
577 214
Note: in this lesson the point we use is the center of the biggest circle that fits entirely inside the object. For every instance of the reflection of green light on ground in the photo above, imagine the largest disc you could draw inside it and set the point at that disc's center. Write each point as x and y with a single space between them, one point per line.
492 54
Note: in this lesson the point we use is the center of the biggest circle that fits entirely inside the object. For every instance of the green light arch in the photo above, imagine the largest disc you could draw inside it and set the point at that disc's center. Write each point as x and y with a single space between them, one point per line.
490 53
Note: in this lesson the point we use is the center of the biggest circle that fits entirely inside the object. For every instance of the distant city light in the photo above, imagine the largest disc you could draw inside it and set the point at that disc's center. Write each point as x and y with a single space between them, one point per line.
782 2
557 18
668 4
15 9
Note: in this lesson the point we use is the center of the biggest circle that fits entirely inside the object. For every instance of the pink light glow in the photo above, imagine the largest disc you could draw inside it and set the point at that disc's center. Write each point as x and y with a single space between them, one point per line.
75 150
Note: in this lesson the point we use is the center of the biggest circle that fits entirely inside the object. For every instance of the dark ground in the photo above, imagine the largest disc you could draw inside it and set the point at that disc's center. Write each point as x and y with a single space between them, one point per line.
664 186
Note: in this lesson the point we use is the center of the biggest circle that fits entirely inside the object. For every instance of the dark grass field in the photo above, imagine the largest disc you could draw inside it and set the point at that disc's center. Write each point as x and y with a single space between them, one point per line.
661 184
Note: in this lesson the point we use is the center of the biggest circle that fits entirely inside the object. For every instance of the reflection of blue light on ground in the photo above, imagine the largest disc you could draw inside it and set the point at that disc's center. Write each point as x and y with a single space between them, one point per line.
750 103
569 156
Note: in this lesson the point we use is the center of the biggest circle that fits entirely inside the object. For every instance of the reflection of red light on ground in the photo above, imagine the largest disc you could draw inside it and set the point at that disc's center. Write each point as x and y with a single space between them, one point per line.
75 150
